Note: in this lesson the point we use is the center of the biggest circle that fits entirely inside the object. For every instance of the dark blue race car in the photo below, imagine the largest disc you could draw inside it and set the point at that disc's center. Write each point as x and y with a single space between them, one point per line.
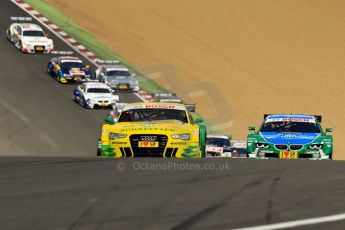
69 69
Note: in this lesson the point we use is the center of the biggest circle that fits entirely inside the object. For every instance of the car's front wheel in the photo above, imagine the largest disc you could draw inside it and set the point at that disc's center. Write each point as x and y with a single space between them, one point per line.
9 37
84 104
99 148
19 45
75 98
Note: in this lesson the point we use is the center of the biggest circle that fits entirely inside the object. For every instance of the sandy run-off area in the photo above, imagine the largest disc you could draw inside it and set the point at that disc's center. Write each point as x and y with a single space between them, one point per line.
268 56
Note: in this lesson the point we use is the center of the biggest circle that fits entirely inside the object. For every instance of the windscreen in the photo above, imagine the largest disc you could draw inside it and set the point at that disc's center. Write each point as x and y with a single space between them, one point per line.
71 65
219 142
159 114
33 33
98 90
114 73
290 126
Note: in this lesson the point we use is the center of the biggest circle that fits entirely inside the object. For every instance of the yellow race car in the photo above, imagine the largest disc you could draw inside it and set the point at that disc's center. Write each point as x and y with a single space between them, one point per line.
153 129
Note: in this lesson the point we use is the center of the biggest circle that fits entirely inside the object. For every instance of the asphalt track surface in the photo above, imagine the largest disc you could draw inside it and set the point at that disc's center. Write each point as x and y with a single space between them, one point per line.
86 193
79 191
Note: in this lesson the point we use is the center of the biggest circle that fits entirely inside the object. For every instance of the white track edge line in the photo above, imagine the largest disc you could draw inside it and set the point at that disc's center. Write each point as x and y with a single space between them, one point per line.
297 223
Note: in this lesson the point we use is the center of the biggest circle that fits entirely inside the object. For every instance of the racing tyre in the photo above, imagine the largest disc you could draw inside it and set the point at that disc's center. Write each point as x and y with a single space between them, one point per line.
8 36
202 140
74 98
99 148
83 103
19 45
49 70
59 77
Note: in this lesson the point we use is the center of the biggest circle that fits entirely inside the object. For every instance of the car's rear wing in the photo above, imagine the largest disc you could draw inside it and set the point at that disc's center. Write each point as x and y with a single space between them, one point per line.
21 19
107 62
191 107
61 52
166 97
163 94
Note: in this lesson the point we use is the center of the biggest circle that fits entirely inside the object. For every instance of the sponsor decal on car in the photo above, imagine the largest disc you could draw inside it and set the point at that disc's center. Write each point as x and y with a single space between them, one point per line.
214 149
147 129
288 155
148 144
290 120
178 143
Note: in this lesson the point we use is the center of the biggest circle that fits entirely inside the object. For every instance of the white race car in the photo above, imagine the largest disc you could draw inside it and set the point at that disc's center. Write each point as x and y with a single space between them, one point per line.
218 145
29 38
95 95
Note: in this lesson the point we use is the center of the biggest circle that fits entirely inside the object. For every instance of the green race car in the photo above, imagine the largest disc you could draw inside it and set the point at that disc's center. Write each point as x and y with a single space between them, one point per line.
290 137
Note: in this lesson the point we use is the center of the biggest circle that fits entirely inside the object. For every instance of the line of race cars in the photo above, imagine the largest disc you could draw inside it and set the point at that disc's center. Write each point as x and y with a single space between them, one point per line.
165 127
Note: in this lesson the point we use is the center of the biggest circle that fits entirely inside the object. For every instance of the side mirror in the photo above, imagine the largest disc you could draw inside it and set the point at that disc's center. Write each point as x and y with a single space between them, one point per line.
251 128
329 130
109 120
198 120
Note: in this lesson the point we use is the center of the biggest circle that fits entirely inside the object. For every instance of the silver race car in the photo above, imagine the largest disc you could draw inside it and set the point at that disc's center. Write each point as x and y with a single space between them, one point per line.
165 97
28 37
118 77
239 149
171 97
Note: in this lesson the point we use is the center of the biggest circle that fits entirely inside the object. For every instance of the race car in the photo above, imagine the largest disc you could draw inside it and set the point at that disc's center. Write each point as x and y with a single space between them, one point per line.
218 145
68 69
154 130
290 136
118 77
95 95
239 149
171 97
28 37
